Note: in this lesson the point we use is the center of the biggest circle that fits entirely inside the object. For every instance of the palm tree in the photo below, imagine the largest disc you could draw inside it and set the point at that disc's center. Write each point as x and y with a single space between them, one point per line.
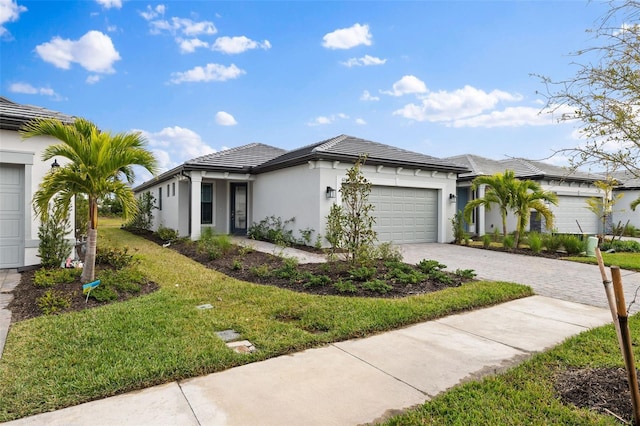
529 196
100 163
500 188
635 204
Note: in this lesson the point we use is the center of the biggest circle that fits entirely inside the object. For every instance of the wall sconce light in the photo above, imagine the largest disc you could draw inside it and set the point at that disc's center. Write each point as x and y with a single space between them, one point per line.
452 198
55 165
331 193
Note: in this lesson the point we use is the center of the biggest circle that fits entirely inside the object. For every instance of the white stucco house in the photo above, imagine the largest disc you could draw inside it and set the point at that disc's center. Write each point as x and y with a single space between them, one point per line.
572 188
21 171
413 194
630 190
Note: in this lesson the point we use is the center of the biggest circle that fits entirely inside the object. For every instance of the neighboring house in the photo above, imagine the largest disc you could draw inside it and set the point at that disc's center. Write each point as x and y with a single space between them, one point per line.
21 171
572 188
630 190
413 194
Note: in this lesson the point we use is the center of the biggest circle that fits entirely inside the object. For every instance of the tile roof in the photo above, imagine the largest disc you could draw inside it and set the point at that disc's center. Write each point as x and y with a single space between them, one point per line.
13 116
627 180
523 168
349 148
242 158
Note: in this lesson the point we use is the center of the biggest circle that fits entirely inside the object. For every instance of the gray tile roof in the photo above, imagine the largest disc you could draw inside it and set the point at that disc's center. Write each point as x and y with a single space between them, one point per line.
242 158
627 180
349 148
523 168
13 116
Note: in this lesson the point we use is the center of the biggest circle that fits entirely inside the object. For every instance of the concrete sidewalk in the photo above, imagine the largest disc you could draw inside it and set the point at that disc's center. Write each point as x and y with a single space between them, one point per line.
9 279
351 382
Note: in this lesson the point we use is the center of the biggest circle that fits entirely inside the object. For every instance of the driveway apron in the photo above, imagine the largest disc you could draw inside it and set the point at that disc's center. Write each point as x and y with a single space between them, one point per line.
561 279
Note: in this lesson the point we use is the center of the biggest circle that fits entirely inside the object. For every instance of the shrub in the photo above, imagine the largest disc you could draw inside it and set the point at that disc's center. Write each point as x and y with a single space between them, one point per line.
486 241
457 222
496 235
552 242
52 302
143 217
116 257
54 248
377 286
103 294
51 277
535 242
167 234
508 242
288 270
274 230
441 277
236 265
387 251
128 280
467 274
363 273
317 281
262 271
305 236
214 245
428 266
572 244
345 286
621 246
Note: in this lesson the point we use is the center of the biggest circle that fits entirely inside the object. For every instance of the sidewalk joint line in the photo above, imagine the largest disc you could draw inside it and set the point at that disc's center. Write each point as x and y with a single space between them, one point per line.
195 416
486 338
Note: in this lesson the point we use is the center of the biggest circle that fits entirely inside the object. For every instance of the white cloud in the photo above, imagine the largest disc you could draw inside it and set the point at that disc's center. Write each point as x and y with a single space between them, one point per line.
112 28
366 96
365 61
183 26
108 4
93 79
509 117
175 145
28 89
210 72
408 84
443 106
346 38
322 120
360 121
94 51
190 45
234 45
225 119
9 12
152 13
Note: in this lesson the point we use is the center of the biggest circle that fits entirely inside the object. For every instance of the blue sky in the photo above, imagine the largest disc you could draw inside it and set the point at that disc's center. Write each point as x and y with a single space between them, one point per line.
440 78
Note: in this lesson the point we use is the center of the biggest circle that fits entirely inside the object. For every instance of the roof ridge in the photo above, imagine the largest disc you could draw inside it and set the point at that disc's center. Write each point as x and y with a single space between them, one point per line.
330 143
531 165
473 164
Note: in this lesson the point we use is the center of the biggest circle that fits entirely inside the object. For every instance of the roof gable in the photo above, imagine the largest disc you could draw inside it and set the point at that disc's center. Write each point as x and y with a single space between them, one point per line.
13 116
242 158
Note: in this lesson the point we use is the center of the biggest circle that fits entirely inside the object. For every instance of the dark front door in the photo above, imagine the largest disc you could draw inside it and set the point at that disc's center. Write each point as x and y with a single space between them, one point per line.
239 208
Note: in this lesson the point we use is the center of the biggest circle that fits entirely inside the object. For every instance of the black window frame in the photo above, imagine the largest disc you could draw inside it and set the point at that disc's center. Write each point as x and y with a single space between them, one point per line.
206 207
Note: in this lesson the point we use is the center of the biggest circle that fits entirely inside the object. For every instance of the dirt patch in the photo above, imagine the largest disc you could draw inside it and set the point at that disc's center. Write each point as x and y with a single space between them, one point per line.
605 390
25 295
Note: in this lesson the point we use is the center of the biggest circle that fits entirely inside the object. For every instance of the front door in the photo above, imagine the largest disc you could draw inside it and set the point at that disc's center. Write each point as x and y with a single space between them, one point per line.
239 208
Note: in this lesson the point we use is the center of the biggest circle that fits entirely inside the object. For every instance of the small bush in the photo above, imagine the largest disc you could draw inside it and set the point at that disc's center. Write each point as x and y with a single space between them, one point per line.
262 271
428 266
486 241
552 242
377 286
457 223
167 234
118 258
467 274
52 302
441 277
317 281
363 273
345 286
508 242
288 270
54 248
236 265
621 246
535 242
51 277
214 245
573 245
103 294
305 236
127 280
272 229
496 235
388 252
143 218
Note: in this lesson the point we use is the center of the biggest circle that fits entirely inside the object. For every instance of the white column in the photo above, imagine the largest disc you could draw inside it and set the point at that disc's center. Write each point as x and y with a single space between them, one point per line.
196 185
480 225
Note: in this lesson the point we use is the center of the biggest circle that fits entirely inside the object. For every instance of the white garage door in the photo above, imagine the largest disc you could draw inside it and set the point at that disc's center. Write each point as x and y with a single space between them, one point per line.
405 215
572 209
11 216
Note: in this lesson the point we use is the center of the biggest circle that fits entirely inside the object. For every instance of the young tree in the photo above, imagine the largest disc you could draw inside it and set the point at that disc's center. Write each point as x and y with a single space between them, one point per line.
500 189
529 196
604 94
100 163
351 224
603 206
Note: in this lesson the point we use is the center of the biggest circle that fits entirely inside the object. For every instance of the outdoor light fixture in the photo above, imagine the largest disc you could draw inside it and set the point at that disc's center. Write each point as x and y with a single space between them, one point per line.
55 165
452 198
331 193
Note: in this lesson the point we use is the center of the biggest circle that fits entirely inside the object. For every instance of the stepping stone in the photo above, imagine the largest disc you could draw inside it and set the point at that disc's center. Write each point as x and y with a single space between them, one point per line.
228 335
242 347
205 306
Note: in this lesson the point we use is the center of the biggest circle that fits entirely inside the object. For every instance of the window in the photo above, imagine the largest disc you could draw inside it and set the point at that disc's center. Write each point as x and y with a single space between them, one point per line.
206 203
160 198
173 189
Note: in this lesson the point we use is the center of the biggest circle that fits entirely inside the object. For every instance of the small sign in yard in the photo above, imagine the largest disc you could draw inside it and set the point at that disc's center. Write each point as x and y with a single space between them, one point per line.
86 288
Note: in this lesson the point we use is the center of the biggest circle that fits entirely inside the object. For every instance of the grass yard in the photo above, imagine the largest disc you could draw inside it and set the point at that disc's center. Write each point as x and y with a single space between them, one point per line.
525 394
630 261
52 362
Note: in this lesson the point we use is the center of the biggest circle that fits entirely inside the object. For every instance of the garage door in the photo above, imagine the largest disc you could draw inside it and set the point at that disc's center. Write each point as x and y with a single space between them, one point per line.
405 215
11 215
572 209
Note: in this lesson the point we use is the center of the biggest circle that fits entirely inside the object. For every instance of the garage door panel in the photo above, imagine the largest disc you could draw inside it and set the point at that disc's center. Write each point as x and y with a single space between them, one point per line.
573 210
410 217
11 215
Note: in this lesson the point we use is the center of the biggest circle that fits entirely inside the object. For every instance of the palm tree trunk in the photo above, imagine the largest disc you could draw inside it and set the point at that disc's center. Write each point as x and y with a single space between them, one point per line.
89 269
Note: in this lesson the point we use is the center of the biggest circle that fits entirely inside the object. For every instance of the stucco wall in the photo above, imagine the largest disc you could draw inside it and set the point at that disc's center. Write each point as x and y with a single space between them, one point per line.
622 211
29 152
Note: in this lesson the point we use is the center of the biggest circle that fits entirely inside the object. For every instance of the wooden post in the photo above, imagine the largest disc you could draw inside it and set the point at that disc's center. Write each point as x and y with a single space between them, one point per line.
608 289
627 348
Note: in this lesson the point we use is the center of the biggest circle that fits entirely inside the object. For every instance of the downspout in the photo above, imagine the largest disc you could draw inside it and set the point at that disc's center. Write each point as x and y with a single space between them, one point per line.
189 212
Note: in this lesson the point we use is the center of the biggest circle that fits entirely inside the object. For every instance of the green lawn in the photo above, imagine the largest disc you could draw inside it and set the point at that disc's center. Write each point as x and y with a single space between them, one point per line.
525 395
57 361
630 261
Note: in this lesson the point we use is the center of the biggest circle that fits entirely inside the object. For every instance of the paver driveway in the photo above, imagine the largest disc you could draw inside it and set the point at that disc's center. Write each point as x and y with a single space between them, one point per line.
575 282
